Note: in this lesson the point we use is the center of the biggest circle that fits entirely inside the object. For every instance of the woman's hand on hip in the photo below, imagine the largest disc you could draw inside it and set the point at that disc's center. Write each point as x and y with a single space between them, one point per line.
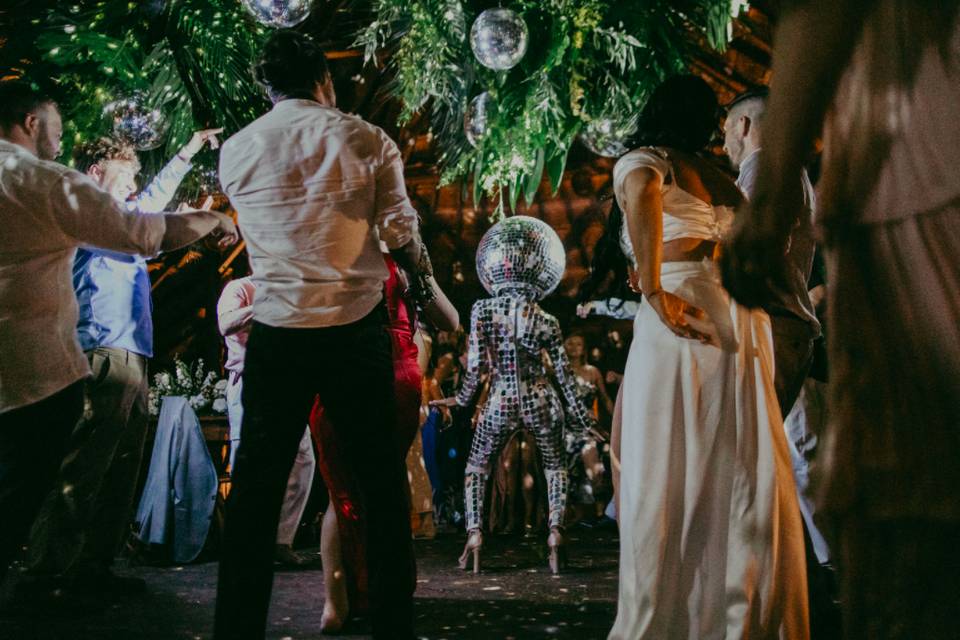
681 317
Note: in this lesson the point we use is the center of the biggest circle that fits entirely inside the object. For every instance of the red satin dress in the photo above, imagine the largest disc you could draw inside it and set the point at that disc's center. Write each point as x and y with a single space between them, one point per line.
336 474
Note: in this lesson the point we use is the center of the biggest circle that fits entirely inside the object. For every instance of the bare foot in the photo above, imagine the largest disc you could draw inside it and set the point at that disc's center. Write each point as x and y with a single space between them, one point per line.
335 608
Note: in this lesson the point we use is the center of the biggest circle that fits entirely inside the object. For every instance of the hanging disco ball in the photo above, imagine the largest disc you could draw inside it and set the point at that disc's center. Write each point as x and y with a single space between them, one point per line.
499 38
521 253
135 122
476 120
281 14
607 138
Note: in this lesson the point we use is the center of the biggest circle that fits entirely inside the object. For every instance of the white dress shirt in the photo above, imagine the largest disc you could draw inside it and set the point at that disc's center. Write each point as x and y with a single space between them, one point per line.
315 190
46 212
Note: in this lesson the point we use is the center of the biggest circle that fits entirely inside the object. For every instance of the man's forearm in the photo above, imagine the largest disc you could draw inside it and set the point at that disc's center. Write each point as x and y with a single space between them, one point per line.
186 228
408 256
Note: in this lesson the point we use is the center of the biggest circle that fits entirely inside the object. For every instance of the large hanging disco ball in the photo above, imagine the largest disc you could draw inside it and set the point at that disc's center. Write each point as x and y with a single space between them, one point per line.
133 121
476 120
606 137
521 253
281 14
499 38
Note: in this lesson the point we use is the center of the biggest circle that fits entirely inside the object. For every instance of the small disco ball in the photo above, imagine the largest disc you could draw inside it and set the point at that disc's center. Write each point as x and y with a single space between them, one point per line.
477 118
607 138
135 122
281 14
521 253
499 38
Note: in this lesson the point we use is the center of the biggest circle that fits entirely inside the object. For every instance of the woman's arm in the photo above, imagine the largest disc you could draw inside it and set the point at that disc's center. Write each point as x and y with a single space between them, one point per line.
643 211
440 312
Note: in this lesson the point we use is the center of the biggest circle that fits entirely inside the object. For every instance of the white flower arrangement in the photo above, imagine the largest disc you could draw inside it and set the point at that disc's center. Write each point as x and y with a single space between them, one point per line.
204 390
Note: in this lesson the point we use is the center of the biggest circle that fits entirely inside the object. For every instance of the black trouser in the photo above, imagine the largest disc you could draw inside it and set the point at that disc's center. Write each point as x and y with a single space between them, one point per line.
351 368
792 355
32 443
793 351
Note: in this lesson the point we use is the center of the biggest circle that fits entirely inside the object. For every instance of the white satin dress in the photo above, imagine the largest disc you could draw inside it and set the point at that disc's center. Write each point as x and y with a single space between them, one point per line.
711 543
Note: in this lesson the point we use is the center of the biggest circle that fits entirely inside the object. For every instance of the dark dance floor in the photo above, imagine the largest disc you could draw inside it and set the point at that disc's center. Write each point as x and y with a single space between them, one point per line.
515 597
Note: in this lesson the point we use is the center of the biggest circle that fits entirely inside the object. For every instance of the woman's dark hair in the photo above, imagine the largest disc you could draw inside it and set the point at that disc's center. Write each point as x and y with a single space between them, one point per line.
682 113
290 66
608 258
18 99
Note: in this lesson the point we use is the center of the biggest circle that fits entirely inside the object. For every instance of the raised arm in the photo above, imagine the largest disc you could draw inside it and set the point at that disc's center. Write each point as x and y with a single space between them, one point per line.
90 216
477 364
157 195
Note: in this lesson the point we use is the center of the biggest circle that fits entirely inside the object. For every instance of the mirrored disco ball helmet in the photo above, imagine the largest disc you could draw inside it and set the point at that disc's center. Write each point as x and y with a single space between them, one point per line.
521 253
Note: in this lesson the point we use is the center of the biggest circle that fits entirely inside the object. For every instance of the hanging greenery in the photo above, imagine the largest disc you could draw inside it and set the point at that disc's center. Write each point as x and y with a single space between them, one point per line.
189 59
588 63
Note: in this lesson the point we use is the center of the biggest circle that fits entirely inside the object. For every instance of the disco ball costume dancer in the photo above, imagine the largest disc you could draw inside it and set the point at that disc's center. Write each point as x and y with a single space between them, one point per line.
520 260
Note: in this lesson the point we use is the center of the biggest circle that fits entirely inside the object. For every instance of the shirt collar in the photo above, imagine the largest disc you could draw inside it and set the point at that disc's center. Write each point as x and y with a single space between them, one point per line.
297 103
750 160
12 147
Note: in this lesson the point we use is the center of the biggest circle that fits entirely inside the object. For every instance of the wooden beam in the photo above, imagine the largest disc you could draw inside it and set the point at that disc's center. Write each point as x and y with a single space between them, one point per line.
343 53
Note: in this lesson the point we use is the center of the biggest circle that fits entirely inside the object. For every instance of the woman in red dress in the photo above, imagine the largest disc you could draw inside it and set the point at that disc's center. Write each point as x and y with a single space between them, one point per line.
343 534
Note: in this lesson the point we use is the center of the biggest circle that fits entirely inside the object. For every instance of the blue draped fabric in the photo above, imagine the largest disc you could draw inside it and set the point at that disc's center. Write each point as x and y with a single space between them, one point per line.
181 490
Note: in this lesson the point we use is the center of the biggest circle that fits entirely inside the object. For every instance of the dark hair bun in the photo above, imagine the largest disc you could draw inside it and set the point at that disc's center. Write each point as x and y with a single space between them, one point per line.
290 65
682 113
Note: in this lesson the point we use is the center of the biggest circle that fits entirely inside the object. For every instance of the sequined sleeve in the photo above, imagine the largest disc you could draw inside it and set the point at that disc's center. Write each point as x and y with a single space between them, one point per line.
477 364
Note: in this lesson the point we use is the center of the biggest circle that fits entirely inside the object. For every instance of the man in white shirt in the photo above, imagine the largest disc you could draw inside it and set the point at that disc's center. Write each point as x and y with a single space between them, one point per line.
234 317
46 212
315 190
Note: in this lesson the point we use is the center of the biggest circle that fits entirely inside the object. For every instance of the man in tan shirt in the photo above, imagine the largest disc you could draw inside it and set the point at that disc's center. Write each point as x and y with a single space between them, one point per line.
46 212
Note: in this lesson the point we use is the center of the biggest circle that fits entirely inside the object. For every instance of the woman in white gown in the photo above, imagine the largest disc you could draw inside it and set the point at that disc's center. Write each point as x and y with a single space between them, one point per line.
711 544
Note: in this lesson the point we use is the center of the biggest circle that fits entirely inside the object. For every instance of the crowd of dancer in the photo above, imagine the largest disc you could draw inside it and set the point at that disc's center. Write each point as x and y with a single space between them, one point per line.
716 423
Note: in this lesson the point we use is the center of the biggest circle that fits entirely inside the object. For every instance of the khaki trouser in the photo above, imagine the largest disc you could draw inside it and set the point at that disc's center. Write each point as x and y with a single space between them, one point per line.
85 518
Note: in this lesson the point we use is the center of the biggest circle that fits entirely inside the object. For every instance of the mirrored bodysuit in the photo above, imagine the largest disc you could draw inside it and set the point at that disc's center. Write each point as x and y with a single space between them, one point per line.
508 335
520 260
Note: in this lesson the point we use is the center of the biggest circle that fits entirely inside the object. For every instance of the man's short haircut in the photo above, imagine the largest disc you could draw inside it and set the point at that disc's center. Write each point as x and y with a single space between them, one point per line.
290 66
88 154
757 94
18 99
